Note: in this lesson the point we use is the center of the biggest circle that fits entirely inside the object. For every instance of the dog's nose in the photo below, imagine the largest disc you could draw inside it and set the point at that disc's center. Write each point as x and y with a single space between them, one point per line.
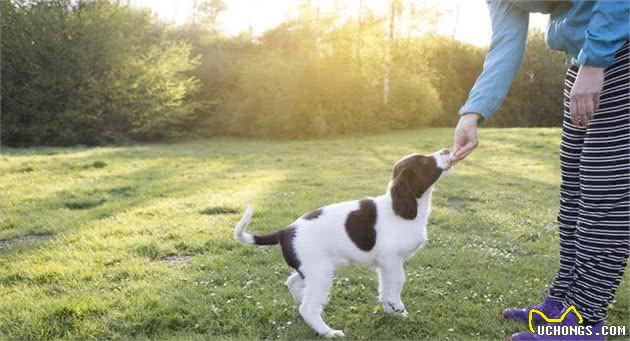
445 152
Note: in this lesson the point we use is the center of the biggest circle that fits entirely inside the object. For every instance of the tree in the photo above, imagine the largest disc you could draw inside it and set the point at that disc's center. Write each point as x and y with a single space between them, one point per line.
208 12
90 72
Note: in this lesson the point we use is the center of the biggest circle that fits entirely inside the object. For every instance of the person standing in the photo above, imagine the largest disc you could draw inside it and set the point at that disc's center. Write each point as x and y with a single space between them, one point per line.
594 215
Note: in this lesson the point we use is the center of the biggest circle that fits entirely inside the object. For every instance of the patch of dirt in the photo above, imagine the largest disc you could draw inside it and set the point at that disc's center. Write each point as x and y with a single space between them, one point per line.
219 210
123 191
4 243
27 169
96 164
84 204
178 260
455 202
27 238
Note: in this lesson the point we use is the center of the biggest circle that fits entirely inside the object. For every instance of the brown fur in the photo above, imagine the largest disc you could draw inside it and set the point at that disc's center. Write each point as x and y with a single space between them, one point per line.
360 225
313 214
411 178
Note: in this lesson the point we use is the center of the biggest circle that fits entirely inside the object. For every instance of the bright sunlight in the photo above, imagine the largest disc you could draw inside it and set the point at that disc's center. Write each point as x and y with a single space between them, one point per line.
465 20
135 135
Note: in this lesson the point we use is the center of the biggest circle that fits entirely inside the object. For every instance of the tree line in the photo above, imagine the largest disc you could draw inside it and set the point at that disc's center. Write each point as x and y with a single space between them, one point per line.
97 71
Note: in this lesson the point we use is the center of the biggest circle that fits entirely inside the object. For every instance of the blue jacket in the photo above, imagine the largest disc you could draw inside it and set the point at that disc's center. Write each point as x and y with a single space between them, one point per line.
590 32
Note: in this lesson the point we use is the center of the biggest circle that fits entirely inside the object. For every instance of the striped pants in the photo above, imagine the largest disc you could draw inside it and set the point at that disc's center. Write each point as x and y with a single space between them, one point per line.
594 217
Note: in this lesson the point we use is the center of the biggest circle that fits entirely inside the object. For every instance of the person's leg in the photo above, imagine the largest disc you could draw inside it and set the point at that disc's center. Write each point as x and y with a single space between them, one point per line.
603 234
570 152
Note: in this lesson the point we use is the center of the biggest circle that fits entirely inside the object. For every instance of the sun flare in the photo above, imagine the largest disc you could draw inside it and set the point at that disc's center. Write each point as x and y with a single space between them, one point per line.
465 20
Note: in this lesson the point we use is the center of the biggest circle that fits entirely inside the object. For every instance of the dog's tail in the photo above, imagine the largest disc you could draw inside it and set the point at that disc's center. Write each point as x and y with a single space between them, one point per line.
247 238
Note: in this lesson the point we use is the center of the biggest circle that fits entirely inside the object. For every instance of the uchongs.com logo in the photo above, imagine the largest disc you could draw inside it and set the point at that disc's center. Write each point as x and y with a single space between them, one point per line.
554 328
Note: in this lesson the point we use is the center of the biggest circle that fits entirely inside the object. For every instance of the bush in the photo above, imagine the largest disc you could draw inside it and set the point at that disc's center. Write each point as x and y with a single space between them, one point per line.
94 72
289 98
90 72
536 96
415 101
281 97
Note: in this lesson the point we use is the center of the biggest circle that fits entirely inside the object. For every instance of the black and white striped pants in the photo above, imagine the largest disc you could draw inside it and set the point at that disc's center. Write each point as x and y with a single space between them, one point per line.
594 215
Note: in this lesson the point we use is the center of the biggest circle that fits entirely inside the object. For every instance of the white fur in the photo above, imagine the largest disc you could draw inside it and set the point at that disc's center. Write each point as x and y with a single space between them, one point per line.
239 230
322 245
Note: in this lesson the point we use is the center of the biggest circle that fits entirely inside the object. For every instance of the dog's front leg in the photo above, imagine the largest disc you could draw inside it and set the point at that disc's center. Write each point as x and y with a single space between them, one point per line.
391 281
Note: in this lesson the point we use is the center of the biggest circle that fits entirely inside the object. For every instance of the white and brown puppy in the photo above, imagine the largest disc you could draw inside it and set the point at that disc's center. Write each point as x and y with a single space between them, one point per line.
382 232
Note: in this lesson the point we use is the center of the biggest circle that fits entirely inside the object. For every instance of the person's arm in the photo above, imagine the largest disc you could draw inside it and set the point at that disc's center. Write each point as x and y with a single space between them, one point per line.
606 33
504 58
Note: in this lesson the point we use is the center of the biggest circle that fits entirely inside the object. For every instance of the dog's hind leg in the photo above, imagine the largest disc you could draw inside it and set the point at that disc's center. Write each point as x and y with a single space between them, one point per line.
315 297
296 286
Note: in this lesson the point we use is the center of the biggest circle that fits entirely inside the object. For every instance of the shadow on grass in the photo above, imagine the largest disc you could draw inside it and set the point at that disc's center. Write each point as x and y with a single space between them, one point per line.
351 304
235 291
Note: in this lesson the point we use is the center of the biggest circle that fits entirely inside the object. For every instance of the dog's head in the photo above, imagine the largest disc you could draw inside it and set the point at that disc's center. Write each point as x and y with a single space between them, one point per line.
412 176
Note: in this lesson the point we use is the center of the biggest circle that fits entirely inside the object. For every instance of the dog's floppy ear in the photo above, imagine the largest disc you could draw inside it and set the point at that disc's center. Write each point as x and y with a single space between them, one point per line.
403 195
427 177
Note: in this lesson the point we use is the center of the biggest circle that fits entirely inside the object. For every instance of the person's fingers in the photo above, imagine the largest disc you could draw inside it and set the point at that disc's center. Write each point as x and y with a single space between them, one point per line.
459 140
589 103
573 110
584 105
596 103
581 111
463 156
456 147
464 151
460 151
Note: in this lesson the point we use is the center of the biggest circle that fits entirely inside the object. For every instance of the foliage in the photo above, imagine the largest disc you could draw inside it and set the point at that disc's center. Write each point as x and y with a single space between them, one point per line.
141 245
90 72
454 68
536 95
96 71
303 81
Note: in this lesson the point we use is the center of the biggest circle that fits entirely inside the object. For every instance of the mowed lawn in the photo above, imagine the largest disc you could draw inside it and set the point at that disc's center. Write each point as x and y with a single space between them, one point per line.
136 242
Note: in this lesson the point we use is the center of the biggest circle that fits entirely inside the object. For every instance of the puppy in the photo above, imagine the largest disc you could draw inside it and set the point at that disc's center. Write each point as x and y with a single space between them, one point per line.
381 232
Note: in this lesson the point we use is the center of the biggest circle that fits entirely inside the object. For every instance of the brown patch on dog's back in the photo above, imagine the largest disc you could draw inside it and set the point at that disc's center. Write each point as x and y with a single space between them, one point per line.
286 237
360 225
313 214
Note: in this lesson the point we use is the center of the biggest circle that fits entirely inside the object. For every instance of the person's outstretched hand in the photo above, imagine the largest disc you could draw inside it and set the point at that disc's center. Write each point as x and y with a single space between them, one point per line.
465 138
585 94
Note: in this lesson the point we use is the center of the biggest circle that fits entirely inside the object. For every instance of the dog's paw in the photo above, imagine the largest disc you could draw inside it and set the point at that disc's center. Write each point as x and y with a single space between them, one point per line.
395 309
334 333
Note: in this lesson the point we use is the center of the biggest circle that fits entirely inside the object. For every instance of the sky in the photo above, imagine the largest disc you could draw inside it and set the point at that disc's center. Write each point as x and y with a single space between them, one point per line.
472 17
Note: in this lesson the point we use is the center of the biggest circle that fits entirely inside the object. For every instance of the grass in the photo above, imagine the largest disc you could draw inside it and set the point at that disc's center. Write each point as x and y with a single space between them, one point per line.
136 242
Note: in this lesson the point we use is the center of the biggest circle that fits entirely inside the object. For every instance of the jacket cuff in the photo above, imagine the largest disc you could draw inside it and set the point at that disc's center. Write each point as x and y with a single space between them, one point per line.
470 109
583 58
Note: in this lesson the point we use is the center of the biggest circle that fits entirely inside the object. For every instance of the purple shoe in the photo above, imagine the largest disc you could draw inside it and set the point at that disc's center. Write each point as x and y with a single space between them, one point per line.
550 307
553 331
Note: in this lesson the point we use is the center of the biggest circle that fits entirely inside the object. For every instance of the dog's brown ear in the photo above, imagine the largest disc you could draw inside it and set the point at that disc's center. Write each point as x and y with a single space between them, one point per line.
403 195
429 173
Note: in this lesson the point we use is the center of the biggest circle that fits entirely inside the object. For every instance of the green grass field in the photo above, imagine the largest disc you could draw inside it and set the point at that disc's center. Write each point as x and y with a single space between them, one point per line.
136 242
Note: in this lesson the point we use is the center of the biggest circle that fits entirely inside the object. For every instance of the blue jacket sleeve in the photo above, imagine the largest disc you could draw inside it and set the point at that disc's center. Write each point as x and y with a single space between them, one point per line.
504 58
606 33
